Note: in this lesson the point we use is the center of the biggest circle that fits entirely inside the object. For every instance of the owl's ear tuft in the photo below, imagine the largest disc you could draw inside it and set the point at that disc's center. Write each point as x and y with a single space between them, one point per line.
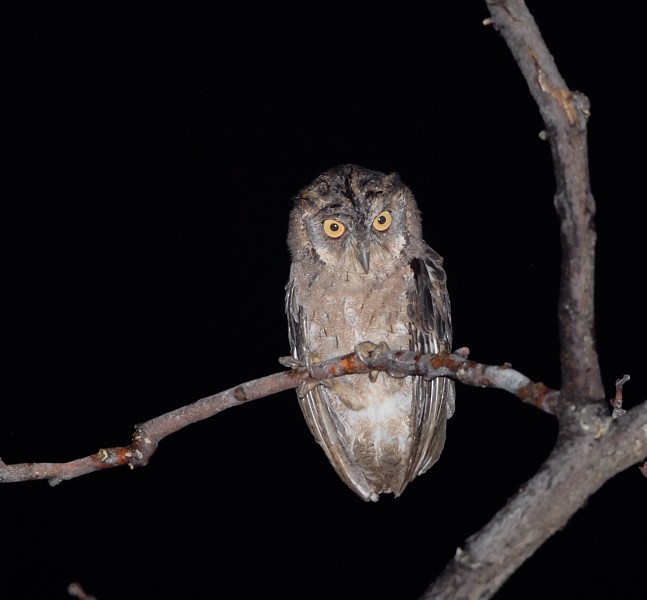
393 179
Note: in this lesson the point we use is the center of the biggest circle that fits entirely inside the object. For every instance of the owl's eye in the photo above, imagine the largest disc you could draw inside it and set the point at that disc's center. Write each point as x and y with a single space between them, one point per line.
383 221
333 229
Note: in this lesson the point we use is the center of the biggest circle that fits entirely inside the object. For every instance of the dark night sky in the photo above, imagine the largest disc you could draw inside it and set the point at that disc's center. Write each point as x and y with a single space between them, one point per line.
152 153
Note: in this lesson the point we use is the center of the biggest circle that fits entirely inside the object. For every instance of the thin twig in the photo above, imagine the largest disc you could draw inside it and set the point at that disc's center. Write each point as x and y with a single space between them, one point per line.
616 402
149 434
76 590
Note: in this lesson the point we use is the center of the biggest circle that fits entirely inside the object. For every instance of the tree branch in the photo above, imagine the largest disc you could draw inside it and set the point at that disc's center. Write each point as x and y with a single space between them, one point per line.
148 435
573 471
591 447
565 114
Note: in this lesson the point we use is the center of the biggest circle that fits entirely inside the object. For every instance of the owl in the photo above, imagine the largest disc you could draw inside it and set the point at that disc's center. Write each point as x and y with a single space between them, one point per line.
362 272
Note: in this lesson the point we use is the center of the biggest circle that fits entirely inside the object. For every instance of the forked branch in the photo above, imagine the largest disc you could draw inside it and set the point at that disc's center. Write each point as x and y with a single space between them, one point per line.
591 448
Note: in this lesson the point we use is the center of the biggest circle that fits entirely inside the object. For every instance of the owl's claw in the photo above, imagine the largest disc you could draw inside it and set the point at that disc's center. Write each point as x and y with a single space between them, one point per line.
294 363
368 352
290 362
308 386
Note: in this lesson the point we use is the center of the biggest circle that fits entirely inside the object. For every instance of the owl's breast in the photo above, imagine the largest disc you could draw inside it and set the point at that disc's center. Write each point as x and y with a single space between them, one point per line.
342 311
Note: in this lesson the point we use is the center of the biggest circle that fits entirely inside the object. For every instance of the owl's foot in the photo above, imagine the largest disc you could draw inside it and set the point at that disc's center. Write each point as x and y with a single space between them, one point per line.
368 352
290 362
294 363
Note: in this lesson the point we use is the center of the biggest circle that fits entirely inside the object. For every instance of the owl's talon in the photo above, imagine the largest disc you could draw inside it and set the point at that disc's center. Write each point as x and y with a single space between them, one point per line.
294 363
290 362
368 352
306 387
311 359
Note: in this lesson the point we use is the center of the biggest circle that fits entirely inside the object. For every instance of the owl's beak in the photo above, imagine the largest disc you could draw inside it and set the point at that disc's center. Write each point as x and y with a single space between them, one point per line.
363 256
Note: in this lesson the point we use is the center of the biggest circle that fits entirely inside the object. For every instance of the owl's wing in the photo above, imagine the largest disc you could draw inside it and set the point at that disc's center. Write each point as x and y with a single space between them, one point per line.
431 332
325 427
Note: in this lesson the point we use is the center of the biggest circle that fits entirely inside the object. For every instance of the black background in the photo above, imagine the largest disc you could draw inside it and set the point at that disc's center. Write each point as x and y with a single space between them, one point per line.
152 153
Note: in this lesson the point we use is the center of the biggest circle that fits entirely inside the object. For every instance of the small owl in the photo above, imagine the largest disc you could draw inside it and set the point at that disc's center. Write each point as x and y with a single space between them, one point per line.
362 272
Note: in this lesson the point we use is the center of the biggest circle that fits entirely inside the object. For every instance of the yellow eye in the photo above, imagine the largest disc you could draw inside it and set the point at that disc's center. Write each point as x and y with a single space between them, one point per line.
333 229
383 221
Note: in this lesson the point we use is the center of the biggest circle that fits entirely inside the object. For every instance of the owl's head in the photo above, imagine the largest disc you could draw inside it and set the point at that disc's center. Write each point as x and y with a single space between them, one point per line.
356 221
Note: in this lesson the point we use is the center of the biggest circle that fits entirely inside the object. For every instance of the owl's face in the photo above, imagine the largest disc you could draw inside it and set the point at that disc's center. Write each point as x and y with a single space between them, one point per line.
355 221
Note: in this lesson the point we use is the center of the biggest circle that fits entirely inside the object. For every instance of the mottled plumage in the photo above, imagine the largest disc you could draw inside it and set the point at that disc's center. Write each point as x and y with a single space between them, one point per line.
362 272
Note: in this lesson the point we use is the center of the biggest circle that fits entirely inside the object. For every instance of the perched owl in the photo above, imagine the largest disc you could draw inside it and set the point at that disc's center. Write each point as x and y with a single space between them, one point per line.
362 272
